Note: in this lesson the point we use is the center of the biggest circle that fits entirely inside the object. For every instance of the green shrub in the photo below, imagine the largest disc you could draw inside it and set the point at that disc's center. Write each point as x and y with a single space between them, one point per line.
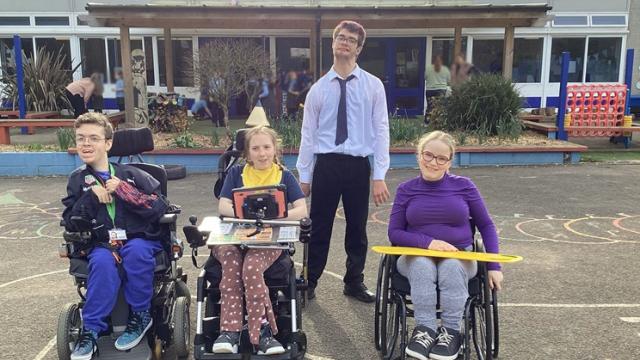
215 138
289 131
66 138
485 105
45 80
185 140
404 130
35 147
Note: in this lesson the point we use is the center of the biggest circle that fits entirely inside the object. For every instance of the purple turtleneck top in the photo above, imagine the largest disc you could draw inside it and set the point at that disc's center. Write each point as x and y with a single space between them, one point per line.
427 210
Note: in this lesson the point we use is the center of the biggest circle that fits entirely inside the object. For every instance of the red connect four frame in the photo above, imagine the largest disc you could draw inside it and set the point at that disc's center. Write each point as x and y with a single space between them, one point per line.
596 105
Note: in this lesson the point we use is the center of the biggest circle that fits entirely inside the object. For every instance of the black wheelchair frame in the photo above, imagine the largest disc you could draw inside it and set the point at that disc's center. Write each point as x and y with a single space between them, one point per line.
171 299
286 297
393 306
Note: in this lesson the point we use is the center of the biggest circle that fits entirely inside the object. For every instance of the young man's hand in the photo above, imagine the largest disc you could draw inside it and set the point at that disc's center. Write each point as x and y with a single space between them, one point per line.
101 193
380 192
112 184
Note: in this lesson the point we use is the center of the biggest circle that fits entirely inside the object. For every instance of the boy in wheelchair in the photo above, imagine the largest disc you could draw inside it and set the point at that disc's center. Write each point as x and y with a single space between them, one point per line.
432 211
122 206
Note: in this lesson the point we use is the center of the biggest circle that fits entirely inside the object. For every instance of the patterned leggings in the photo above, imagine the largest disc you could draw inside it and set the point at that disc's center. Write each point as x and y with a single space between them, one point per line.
248 271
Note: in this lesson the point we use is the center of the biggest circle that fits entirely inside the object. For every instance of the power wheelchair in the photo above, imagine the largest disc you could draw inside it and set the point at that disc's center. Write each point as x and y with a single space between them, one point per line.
171 298
393 306
286 292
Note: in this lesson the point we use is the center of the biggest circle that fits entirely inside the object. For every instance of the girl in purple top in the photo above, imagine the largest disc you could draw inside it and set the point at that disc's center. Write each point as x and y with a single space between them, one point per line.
432 211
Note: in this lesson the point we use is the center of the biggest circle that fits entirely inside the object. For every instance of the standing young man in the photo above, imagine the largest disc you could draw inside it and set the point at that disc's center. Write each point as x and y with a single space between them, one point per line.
345 121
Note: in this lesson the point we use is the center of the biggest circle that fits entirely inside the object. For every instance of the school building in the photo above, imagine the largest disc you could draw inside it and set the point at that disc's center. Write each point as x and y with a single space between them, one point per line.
518 38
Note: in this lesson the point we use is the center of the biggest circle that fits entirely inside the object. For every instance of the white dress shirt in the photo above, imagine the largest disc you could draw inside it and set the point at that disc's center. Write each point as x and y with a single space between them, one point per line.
367 122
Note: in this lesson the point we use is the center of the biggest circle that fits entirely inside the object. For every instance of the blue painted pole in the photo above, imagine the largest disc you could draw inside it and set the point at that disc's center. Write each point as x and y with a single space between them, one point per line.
628 74
22 103
564 78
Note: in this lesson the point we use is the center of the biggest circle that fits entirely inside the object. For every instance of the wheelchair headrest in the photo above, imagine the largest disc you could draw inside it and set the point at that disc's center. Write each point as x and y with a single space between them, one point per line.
128 142
238 142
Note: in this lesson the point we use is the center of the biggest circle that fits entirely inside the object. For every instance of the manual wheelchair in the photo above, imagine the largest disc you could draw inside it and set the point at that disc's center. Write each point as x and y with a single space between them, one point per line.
393 306
171 298
286 292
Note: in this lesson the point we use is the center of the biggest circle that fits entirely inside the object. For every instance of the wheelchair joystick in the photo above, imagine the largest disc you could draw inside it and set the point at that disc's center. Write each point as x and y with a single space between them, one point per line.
193 220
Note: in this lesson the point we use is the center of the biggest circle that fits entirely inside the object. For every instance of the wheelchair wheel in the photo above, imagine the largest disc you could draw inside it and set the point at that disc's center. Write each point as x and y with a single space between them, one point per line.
181 327
69 328
389 319
496 327
378 306
482 324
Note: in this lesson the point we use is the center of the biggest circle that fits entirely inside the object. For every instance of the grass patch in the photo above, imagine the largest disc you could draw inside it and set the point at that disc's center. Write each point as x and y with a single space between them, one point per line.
610 156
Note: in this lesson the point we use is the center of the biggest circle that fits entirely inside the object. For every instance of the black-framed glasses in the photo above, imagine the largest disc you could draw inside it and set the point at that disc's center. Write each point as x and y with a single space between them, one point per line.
347 39
440 160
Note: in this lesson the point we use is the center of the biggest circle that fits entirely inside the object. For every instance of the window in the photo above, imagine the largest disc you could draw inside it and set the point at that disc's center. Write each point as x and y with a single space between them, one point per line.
182 53
55 46
570 21
445 48
293 54
115 58
14 21
93 56
52 21
575 47
603 59
487 55
7 55
608 20
527 60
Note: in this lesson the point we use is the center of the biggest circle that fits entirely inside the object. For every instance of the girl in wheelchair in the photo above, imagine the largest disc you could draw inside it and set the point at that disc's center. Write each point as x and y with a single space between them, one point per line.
432 211
124 206
245 270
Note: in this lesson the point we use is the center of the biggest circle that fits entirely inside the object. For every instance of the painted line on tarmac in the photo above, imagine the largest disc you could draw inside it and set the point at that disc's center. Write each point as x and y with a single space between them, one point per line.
316 357
339 277
31 277
631 319
46 349
569 305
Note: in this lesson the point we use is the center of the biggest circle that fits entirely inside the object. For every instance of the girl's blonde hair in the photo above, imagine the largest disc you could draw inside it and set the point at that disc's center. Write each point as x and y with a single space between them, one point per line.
262 130
437 135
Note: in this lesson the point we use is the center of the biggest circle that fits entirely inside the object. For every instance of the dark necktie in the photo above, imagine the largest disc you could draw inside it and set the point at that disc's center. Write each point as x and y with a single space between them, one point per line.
342 133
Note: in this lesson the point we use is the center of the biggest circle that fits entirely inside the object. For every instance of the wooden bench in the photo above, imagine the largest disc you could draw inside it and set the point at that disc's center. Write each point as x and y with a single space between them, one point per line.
6 124
14 114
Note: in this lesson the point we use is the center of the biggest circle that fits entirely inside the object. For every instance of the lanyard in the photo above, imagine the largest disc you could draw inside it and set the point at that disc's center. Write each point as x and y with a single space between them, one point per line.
111 207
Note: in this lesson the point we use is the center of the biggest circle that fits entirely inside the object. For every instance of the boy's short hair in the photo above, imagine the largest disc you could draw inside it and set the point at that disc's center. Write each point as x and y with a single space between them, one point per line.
93 118
353 27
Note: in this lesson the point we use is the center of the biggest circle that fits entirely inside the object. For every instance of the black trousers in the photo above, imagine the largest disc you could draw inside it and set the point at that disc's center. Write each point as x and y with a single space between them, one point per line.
338 176
77 102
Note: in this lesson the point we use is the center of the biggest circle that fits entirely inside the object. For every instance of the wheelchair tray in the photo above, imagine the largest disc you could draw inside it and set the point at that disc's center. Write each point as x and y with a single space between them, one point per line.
461 255
224 233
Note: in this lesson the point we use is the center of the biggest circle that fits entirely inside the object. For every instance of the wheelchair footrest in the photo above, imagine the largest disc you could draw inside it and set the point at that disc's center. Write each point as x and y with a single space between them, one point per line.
211 356
109 352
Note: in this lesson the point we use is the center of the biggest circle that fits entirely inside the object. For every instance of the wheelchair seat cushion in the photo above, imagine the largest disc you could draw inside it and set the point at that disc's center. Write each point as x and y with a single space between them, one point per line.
79 267
276 275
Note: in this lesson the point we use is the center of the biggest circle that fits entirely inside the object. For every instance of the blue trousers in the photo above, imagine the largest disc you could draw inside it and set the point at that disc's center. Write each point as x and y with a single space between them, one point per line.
104 281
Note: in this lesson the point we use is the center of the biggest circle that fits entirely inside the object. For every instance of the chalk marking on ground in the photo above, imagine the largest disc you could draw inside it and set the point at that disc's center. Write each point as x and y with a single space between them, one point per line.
577 306
32 277
46 349
631 319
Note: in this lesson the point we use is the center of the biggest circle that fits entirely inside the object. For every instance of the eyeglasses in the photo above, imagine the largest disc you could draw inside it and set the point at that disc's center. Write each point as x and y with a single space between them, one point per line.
90 139
349 40
440 160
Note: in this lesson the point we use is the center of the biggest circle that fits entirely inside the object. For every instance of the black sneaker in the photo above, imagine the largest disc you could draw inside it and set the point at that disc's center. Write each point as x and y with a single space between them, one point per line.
268 344
360 292
447 346
311 292
422 341
226 343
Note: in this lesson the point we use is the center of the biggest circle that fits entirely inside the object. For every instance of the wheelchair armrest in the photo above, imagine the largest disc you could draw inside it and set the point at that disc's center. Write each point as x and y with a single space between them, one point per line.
168 218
